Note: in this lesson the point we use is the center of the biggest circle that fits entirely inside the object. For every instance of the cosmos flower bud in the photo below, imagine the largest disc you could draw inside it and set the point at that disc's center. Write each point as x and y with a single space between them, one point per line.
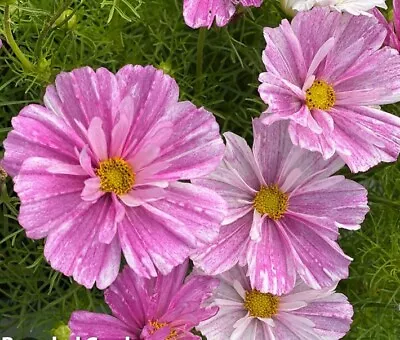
62 332
71 23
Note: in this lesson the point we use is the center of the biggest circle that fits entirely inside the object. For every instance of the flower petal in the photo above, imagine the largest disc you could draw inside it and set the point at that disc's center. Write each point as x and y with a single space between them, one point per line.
319 261
331 315
227 250
106 327
38 133
341 200
195 147
73 248
83 94
366 136
271 268
271 148
47 199
190 210
201 13
129 299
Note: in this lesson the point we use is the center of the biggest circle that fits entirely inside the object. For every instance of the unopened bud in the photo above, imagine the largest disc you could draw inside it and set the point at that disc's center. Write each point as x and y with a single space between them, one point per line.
62 332
72 21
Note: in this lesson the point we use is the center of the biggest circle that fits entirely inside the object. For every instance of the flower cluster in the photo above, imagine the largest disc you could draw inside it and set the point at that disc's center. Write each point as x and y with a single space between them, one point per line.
115 164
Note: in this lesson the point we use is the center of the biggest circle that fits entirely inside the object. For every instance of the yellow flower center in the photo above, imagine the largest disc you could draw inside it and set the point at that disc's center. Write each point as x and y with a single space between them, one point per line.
320 96
271 201
261 305
116 176
173 335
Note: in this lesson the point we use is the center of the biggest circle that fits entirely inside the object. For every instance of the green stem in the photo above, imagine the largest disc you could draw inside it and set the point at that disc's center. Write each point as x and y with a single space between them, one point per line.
27 65
376 199
199 64
49 25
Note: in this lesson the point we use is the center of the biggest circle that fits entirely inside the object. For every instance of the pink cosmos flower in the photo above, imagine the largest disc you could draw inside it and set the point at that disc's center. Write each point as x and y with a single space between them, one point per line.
161 308
284 211
304 313
97 170
201 13
326 73
392 28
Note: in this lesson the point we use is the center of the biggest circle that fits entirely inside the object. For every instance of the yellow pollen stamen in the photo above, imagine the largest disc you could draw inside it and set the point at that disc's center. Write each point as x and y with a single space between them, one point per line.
261 305
173 335
271 201
320 96
116 176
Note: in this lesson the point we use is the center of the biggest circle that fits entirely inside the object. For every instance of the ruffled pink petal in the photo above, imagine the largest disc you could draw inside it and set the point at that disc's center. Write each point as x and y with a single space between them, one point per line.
331 315
121 129
128 298
140 195
83 94
190 210
166 288
144 150
201 13
341 200
228 249
376 75
85 160
163 233
238 195
366 136
195 147
91 191
186 309
74 248
346 29
305 138
354 36
271 148
271 267
105 327
47 199
147 94
283 55
301 167
239 159
97 139
38 133
282 101
290 326
319 261
148 333
220 326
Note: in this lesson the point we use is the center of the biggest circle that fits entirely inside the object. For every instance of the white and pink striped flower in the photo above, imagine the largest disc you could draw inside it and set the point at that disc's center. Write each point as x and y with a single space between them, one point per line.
97 170
247 314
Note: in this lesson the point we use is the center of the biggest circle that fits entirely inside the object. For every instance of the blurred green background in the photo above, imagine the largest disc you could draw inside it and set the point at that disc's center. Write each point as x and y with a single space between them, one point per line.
34 299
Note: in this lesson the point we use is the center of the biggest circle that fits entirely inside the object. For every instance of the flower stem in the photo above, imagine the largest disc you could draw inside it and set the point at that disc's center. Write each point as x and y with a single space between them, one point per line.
200 53
376 199
49 26
27 65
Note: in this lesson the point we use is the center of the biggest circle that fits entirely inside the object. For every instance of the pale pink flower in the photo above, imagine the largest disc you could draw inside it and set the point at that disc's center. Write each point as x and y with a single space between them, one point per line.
284 211
161 308
326 74
97 170
303 314
202 13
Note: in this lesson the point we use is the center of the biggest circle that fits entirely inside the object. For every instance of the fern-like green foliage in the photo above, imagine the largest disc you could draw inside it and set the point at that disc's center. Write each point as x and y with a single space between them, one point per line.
34 299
